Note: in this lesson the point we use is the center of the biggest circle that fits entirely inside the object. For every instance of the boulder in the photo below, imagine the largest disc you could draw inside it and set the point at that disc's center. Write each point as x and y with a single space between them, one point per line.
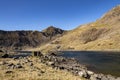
83 73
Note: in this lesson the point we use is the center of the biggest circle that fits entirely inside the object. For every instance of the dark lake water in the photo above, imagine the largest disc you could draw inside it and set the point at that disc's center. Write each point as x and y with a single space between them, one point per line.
99 62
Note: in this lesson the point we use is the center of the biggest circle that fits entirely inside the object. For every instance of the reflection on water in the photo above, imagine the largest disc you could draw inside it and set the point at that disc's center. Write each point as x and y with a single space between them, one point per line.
99 62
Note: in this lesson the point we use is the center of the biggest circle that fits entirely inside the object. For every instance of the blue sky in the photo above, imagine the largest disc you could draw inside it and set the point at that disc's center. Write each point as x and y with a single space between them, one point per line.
39 14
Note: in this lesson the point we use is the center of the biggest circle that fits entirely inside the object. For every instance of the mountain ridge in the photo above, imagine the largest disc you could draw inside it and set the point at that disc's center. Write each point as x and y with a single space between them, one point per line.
13 39
103 34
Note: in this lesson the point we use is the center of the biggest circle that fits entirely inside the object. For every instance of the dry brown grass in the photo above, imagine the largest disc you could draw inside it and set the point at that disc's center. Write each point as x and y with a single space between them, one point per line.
39 72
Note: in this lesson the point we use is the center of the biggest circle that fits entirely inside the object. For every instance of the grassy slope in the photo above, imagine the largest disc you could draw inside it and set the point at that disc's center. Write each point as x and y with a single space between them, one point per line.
104 36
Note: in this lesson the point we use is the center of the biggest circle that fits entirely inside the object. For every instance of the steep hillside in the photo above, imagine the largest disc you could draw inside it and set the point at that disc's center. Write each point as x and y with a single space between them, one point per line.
103 34
20 39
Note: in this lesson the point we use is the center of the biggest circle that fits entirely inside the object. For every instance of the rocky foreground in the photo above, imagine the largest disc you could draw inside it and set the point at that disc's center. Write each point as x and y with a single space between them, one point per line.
31 68
47 67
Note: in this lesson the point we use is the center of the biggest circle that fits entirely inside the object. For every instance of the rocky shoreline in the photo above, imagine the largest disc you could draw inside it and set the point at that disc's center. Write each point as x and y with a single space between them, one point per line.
61 63
72 65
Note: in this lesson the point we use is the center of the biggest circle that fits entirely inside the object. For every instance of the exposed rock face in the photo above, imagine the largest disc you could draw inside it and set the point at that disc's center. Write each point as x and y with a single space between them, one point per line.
28 38
92 34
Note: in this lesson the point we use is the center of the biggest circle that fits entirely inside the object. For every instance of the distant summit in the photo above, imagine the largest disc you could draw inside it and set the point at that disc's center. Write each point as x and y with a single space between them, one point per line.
52 31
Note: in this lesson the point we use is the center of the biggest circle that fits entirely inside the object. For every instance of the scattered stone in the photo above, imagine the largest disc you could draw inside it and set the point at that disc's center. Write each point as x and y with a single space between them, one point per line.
61 68
10 64
30 64
26 60
19 66
95 77
50 63
5 56
8 72
52 54
83 74
105 78
90 72
111 77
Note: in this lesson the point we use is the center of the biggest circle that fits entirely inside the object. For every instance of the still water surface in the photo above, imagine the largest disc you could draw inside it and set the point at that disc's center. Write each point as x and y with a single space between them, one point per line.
99 62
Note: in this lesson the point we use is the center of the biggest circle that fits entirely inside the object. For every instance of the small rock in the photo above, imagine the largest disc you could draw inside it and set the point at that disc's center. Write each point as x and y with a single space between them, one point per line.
83 74
61 68
12 67
5 56
50 63
95 77
26 61
8 72
30 64
90 72
10 64
52 54
104 78
111 77
18 66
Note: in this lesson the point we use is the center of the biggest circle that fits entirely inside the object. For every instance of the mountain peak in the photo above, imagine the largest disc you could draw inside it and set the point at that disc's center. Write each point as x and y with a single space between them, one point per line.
51 30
